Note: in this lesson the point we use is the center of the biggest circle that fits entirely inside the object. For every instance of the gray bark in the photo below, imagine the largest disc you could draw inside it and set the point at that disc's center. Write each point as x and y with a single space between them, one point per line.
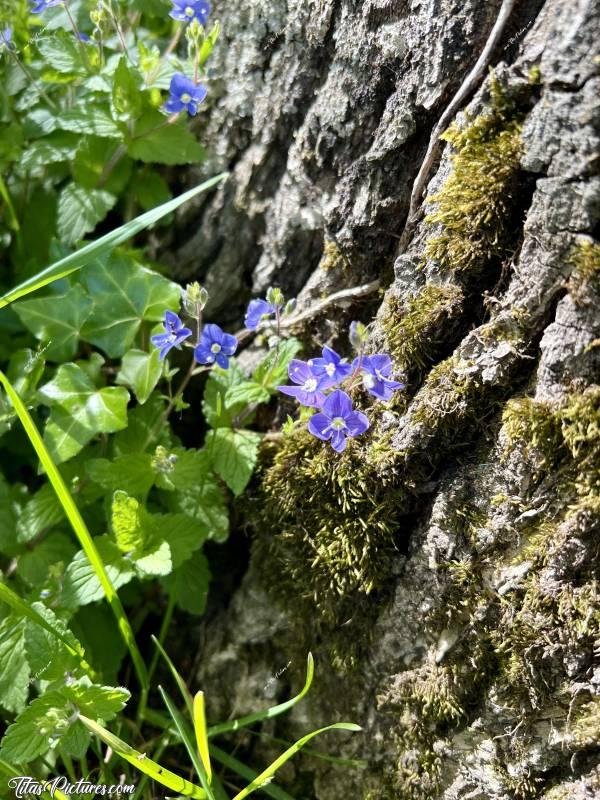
323 117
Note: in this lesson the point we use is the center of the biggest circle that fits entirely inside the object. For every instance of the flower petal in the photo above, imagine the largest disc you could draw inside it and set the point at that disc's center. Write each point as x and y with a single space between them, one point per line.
181 84
299 371
256 310
357 423
338 404
338 441
222 360
203 355
320 426
382 363
229 344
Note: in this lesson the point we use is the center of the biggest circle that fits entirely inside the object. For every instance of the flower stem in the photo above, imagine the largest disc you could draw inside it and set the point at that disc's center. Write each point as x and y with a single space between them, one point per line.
33 81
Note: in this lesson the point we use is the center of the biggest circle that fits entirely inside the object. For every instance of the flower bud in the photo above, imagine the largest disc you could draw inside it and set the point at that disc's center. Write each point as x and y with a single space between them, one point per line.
163 461
275 297
359 335
194 34
195 299
290 306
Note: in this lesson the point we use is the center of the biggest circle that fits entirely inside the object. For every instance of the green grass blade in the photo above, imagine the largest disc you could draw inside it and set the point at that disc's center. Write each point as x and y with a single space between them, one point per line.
79 526
242 722
185 692
199 717
188 740
232 763
142 763
267 774
18 605
104 245
11 772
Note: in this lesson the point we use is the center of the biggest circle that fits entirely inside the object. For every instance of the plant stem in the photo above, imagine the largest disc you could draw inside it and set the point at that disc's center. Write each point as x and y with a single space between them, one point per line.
77 34
32 80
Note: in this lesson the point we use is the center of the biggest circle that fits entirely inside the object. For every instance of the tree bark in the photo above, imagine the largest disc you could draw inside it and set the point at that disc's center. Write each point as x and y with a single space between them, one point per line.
461 629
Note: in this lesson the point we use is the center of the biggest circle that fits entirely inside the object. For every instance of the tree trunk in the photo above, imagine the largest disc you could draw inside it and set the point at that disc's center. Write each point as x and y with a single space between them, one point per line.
444 569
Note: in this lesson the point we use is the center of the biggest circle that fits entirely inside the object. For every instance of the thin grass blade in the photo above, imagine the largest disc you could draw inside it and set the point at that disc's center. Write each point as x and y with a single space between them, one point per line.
267 774
185 692
242 722
199 717
79 526
142 763
232 763
187 738
90 252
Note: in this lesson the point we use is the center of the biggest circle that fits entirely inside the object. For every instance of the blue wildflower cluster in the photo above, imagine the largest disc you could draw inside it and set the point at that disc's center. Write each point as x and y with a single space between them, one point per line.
212 345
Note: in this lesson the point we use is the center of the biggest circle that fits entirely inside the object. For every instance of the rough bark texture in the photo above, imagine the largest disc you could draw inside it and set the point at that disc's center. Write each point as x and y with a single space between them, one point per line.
444 570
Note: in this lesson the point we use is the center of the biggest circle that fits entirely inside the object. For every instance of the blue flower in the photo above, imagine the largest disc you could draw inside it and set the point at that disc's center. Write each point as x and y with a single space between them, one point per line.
175 334
377 380
308 392
215 345
184 95
187 10
257 310
332 367
6 36
42 5
337 420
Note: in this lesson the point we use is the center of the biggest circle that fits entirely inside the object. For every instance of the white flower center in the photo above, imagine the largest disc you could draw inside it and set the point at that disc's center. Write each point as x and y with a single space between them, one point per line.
310 385
215 348
338 423
186 97
330 370
369 381
189 11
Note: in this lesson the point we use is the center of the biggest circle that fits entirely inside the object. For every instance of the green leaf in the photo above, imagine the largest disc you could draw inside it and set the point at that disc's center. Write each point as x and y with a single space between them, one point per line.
140 372
156 141
184 535
93 119
25 370
14 669
158 562
80 210
42 511
234 765
233 454
104 245
94 625
126 94
98 702
127 523
144 429
246 393
206 503
149 188
189 583
272 371
61 52
8 516
90 165
52 149
56 321
48 658
65 435
131 473
33 565
124 295
82 585
219 382
267 774
144 764
186 469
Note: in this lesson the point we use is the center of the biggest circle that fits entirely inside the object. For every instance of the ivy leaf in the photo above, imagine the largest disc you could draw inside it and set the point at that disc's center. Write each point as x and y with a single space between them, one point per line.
81 584
155 142
80 210
189 584
48 658
33 565
246 393
14 669
61 52
140 372
59 332
272 371
93 119
124 295
79 410
233 454
132 473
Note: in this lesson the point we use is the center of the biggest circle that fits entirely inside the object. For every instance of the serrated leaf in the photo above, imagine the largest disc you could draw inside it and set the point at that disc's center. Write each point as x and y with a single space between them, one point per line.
144 429
89 165
82 586
183 534
93 119
33 565
125 294
61 51
272 371
189 583
213 402
206 503
126 94
155 141
131 473
94 626
149 188
14 668
52 149
140 371
98 702
157 562
42 511
233 455
80 210
56 321
187 468
47 655
246 393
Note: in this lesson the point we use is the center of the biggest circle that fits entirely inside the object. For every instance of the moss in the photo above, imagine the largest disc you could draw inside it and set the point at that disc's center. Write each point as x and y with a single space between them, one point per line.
474 207
584 282
413 329
534 426
586 727
332 258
